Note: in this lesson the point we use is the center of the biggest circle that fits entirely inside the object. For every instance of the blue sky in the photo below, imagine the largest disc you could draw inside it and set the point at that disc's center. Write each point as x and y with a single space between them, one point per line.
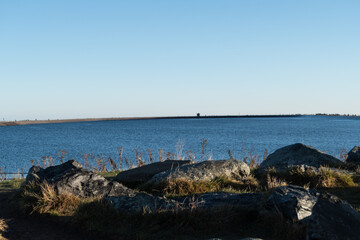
74 59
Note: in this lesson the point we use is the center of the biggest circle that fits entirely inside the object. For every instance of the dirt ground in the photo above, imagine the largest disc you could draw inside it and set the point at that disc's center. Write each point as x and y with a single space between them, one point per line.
21 227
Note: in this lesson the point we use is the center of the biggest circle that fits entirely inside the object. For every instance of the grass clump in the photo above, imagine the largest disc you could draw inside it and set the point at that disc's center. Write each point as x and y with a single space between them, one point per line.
185 187
3 228
43 199
323 178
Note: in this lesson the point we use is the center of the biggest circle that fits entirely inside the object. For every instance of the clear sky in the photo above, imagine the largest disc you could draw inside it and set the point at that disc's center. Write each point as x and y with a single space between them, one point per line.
83 58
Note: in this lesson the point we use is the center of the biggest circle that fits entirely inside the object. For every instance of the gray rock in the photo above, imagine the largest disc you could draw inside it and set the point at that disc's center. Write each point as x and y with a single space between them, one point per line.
223 199
205 171
143 174
142 203
298 155
294 202
354 156
71 178
324 215
35 174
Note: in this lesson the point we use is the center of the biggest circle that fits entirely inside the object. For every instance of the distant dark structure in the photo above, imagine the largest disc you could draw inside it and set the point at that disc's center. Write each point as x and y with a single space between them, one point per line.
198 114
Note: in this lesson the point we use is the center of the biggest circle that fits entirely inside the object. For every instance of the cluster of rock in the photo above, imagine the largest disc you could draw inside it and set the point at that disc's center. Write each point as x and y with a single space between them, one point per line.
325 216
71 178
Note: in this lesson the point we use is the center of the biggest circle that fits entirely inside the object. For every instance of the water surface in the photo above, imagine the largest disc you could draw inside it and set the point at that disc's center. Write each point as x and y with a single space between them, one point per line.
20 144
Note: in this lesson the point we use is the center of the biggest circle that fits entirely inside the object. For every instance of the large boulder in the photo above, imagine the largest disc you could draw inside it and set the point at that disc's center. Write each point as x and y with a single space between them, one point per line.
354 155
298 155
324 215
143 174
249 201
204 171
71 178
142 203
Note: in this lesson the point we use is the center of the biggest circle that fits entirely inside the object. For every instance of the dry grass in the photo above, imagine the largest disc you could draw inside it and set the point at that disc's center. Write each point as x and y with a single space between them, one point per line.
274 182
3 228
96 216
184 187
43 199
323 178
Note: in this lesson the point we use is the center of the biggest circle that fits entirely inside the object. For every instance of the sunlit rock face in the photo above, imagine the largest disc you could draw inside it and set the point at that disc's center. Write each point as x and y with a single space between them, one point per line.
298 155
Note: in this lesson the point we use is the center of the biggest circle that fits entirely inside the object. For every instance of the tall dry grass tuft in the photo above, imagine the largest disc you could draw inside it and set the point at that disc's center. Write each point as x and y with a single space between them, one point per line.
179 150
120 153
61 155
139 161
3 175
204 143
43 198
190 155
151 159
3 225
274 182
3 228
112 164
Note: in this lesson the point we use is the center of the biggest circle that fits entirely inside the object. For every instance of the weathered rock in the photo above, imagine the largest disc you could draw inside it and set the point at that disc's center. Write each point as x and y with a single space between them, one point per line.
142 203
294 202
298 155
71 178
204 171
223 199
35 174
324 215
354 156
145 173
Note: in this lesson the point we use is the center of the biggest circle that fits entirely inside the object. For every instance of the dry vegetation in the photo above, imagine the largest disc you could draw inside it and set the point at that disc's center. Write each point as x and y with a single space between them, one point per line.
96 216
3 228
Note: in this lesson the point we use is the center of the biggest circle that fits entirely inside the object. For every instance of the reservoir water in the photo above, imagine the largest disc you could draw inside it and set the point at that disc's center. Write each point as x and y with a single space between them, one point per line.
242 136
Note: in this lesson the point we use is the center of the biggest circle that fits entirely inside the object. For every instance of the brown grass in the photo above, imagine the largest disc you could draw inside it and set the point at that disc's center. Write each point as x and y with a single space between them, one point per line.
323 178
3 228
43 198
183 187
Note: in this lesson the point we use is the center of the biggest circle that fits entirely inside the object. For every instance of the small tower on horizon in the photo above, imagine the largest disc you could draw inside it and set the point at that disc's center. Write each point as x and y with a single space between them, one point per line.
198 115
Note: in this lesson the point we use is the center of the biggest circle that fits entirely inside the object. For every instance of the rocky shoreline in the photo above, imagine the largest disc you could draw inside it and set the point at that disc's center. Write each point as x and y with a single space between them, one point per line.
319 214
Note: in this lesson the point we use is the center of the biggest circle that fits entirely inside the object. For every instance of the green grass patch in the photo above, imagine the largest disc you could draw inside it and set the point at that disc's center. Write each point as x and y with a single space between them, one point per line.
10 185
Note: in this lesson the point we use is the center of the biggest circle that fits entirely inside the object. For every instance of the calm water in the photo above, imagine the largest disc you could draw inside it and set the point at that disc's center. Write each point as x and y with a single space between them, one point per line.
20 144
